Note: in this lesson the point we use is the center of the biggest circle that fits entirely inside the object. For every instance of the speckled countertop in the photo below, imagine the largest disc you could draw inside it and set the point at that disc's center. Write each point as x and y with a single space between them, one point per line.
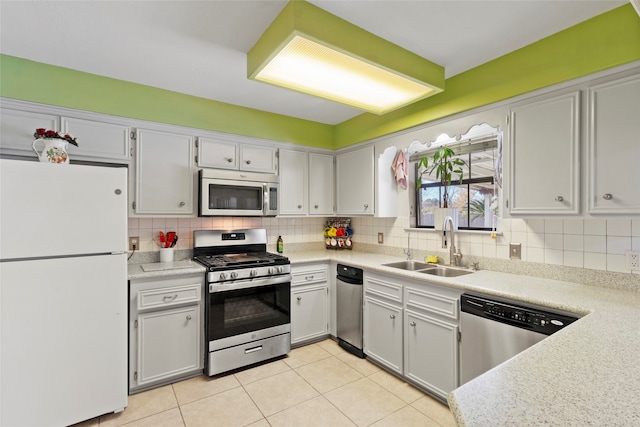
585 374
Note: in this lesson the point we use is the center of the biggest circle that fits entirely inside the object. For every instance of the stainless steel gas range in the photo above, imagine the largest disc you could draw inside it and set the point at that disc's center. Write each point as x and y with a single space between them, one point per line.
248 303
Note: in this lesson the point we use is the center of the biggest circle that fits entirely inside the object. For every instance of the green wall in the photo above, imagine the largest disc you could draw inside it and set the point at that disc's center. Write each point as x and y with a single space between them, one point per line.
605 41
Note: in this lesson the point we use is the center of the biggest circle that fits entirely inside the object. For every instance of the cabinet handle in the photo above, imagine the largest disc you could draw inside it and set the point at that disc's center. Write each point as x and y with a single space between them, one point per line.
299 206
248 162
299 298
188 317
607 196
169 298
366 207
181 204
229 159
315 206
559 198
412 324
393 316
308 277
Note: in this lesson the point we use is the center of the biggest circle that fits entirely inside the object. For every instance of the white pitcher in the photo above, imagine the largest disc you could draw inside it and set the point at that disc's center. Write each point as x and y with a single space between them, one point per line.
54 150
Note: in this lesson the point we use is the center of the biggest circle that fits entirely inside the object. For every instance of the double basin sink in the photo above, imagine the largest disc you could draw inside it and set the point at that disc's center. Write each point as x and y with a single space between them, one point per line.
432 269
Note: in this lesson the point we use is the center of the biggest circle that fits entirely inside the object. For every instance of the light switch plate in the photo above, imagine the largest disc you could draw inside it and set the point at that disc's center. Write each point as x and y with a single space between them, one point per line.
515 250
381 238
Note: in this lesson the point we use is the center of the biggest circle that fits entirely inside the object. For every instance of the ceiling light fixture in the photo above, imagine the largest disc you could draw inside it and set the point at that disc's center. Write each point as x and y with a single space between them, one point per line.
310 50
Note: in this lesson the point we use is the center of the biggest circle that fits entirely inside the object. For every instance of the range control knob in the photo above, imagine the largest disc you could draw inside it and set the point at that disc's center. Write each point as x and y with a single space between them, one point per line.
280 269
234 275
253 273
223 276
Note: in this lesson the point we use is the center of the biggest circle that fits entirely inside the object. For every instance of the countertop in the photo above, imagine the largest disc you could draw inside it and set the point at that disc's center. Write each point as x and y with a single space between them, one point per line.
585 374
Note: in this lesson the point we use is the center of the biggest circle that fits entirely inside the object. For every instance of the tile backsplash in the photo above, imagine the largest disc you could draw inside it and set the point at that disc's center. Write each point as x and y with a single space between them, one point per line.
596 244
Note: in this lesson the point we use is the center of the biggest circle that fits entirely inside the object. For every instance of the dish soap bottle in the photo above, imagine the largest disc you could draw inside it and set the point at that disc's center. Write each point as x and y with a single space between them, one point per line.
279 245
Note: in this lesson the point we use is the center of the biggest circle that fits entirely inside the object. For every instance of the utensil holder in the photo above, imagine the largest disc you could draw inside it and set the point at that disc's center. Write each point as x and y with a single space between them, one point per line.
166 254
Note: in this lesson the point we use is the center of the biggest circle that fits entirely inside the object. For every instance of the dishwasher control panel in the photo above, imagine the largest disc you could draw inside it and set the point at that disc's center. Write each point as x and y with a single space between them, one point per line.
526 316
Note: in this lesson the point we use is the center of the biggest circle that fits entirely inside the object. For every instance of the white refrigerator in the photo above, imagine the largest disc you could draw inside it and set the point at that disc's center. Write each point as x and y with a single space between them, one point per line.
63 292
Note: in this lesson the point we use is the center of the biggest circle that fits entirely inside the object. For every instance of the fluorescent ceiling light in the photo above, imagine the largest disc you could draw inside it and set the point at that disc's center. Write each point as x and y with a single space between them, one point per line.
347 65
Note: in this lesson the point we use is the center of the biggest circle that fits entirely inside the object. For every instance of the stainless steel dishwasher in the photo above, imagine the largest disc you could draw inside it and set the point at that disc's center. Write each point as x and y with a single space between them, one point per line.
349 308
494 330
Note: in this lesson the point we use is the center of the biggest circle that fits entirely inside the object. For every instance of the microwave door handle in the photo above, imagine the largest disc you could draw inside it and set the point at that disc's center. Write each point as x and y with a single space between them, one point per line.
265 198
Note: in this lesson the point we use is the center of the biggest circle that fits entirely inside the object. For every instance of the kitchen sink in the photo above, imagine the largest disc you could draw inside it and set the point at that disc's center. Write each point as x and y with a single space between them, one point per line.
445 272
423 267
409 265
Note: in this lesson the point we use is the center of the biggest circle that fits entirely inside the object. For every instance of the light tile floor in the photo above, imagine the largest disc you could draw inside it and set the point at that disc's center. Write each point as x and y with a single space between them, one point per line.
316 385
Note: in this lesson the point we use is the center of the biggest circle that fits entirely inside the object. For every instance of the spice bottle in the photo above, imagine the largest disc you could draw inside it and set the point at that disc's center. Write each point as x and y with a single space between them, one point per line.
279 245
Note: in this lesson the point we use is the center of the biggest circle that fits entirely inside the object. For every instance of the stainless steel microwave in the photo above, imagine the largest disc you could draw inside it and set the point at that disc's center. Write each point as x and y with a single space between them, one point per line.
237 193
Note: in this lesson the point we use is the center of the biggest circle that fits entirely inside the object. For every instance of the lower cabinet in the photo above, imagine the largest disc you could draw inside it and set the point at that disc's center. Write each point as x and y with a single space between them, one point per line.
383 333
431 353
166 333
411 328
309 303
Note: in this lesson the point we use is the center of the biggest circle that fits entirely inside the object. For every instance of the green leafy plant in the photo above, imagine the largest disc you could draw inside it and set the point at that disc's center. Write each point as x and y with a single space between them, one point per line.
445 163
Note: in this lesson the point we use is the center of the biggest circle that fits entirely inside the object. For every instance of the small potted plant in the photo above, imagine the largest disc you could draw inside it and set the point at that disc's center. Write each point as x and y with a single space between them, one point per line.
445 163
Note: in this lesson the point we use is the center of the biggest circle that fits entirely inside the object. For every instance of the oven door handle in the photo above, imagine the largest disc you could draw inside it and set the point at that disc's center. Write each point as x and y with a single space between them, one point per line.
248 283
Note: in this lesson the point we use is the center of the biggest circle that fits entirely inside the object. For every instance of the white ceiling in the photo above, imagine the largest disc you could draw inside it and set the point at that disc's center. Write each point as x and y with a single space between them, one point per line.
199 47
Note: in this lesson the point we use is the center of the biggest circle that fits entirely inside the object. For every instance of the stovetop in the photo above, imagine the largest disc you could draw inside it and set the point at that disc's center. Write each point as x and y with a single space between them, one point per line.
216 262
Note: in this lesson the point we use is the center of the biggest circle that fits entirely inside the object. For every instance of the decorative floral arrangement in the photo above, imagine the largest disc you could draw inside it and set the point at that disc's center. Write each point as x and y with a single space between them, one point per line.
43 133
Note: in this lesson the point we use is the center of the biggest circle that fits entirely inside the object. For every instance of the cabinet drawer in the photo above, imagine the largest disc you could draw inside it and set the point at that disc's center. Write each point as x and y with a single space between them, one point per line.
432 302
382 288
308 277
168 297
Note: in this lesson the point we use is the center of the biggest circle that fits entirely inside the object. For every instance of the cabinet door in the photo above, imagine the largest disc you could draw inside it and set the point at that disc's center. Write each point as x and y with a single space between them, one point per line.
217 153
293 182
614 150
320 184
544 156
164 173
98 140
17 129
383 333
257 159
308 313
355 182
168 344
431 353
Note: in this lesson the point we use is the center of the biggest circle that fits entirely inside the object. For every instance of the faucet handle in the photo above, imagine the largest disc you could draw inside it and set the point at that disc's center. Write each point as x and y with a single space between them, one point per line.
476 266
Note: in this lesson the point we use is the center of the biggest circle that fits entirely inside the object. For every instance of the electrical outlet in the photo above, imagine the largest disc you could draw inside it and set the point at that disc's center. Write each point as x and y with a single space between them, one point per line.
381 238
633 260
134 244
515 250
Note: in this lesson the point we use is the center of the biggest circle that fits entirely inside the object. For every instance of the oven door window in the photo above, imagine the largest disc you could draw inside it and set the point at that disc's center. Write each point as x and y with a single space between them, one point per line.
235 197
246 310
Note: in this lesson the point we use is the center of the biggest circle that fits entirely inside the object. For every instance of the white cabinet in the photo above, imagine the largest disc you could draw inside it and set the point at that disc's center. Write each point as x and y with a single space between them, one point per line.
355 182
383 321
309 303
97 140
383 333
614 149
321 184
294 182
544 136
431 343
17 128
165 173
306 183
166 333
224 154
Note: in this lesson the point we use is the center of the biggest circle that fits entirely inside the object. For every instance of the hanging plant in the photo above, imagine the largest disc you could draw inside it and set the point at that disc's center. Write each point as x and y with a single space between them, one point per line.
445 163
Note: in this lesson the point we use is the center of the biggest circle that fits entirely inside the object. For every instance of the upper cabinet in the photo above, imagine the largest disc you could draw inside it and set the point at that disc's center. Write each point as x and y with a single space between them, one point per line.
544 134
223 154
306 183
355 182
98 140
165 174
614 147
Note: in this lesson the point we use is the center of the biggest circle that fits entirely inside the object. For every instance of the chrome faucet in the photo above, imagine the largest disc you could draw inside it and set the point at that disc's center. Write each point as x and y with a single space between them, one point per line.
407 251
454 255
